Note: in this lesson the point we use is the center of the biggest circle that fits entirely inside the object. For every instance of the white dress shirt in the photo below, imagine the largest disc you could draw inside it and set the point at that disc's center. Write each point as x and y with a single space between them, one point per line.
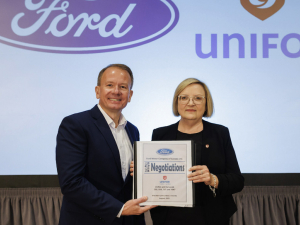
123 143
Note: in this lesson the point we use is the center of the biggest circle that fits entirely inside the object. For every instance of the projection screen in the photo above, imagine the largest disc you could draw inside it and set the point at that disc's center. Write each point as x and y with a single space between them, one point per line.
247 52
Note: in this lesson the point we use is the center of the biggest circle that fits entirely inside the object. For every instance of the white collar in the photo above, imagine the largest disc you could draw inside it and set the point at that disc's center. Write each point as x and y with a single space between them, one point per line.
122 120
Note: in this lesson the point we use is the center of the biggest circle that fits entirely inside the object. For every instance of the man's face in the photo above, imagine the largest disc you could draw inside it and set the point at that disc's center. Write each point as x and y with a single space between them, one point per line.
114 91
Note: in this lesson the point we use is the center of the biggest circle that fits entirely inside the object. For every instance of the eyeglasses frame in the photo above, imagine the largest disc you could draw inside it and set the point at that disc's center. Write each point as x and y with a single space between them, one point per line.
190 99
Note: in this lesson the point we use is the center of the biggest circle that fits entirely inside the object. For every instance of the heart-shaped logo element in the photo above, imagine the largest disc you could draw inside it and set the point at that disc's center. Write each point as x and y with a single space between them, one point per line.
263 9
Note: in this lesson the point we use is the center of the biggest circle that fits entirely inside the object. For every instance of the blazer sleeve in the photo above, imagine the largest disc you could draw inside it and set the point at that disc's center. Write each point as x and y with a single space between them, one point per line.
232 180
71 154
154 135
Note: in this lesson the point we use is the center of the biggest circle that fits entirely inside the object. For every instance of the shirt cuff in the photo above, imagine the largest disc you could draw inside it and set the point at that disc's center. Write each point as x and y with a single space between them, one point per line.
120 213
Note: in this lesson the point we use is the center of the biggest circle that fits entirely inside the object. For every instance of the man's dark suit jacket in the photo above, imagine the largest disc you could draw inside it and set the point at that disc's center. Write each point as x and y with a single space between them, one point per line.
217 153
89 171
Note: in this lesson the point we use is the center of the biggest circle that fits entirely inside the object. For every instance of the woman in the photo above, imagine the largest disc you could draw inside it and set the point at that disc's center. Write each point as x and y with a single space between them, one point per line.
216 174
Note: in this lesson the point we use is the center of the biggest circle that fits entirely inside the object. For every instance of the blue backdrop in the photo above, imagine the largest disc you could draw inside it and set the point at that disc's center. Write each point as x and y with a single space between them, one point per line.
52 51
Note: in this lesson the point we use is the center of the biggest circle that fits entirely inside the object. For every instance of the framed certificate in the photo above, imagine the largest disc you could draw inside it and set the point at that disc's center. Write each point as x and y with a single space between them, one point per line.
160 172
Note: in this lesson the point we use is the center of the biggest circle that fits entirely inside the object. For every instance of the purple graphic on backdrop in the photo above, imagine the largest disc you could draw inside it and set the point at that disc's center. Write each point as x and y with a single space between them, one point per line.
239 39
85 26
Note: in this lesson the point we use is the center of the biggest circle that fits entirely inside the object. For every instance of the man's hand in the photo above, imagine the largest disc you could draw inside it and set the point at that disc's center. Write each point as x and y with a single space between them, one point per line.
132 207
131 168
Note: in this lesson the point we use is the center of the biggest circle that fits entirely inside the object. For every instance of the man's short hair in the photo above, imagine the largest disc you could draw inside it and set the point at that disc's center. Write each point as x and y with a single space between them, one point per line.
120 66
209 101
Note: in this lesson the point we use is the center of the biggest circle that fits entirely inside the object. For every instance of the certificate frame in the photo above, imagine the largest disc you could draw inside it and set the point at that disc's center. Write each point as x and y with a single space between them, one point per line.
160 172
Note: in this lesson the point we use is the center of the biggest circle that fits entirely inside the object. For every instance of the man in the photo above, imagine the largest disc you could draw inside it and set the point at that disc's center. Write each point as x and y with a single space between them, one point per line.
93 153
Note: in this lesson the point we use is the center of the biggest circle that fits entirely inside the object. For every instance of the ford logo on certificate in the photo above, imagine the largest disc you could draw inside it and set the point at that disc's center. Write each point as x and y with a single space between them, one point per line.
160 172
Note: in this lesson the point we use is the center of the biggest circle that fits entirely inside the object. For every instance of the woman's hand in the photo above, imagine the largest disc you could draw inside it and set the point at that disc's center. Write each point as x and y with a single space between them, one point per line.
202 174
131 168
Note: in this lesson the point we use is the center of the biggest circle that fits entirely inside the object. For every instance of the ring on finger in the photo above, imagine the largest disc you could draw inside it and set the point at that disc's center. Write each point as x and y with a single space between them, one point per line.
201 172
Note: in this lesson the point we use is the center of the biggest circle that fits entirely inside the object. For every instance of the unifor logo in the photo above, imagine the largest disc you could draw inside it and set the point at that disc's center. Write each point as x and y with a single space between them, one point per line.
262 9
165 151
164 177
84 26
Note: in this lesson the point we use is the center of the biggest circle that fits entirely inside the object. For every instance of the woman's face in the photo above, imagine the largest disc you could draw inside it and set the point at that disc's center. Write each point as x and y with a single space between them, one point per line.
190 110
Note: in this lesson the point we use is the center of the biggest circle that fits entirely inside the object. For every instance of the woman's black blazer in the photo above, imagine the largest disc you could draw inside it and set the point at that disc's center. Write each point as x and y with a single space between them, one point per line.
217 153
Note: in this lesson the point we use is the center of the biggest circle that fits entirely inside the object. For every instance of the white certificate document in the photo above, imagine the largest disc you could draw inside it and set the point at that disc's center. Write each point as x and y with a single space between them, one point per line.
160 173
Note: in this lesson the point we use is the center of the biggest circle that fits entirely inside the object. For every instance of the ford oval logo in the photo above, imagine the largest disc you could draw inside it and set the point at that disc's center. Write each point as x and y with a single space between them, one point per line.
165 151
85 26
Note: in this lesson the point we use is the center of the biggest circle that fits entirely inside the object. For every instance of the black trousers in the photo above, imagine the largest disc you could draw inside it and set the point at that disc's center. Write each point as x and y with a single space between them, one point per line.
185 216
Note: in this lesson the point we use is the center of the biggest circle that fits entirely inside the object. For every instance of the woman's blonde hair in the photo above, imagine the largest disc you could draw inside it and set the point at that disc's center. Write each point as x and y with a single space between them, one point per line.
209 101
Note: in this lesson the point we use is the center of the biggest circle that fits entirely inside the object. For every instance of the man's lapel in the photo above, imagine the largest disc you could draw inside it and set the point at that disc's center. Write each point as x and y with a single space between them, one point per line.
102 125
130 135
